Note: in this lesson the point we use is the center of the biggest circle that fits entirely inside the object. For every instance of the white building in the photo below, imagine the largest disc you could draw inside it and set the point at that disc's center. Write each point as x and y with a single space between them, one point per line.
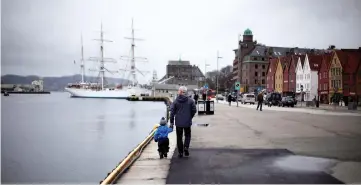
307 76
300 77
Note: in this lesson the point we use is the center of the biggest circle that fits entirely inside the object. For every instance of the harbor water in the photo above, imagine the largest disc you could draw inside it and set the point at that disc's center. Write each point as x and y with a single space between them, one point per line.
57 139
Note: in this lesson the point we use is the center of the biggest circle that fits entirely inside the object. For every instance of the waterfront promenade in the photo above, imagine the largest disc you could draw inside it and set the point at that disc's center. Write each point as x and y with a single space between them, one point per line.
242 145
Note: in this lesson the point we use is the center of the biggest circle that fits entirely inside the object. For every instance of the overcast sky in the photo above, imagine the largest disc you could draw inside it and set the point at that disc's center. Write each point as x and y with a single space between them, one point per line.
42 37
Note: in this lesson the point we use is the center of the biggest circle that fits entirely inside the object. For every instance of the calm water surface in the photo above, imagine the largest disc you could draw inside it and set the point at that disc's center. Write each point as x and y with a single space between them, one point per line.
57 139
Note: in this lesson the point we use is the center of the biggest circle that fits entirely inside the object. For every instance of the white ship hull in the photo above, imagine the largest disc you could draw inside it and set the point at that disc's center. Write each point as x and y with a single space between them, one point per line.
106 93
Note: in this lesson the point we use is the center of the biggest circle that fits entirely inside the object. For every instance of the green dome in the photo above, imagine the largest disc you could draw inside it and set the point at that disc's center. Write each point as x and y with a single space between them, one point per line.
247 32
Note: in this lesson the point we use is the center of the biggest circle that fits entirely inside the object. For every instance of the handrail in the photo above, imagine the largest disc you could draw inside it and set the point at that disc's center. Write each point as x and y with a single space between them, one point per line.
133 155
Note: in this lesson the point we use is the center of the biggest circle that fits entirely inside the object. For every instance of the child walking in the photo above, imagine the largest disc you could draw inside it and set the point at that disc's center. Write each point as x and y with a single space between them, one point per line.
161 136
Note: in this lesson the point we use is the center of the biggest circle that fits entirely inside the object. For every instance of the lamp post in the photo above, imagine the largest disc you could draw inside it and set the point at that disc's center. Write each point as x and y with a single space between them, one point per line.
218 57
205 73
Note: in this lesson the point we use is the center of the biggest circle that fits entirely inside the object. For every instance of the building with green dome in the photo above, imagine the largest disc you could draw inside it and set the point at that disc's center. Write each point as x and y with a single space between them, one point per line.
254 59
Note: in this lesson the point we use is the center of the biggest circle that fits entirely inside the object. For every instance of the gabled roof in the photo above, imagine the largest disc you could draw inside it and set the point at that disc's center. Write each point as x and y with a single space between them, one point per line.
315 62
293 61
272 65
286 61
302 57
342 56
326 61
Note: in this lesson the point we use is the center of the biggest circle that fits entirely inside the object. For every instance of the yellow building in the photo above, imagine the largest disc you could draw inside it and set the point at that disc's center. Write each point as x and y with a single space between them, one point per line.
335 74
279 77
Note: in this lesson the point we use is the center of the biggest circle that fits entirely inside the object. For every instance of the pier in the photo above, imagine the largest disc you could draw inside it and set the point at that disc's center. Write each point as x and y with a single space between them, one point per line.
241 145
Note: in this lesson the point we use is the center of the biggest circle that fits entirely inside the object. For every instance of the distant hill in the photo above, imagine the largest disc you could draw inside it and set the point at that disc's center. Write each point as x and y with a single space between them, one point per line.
56 83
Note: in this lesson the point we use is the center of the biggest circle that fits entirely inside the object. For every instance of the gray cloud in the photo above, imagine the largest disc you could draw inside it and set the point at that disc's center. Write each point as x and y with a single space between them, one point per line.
43 36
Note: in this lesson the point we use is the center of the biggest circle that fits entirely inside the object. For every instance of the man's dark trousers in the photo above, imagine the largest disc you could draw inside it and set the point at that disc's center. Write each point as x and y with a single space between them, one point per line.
187 140
259 105
163 145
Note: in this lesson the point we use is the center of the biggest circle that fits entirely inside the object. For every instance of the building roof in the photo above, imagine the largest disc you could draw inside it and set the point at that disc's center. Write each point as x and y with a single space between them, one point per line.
326 61
262 51
272 66
302 57
247 32
285 61
342 57
178 62
293 61
315 61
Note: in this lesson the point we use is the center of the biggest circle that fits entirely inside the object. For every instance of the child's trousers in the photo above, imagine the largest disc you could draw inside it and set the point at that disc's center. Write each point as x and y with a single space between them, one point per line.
163 145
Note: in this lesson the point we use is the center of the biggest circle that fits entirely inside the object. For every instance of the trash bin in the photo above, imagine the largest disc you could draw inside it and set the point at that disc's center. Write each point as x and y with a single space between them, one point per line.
201 107
210 107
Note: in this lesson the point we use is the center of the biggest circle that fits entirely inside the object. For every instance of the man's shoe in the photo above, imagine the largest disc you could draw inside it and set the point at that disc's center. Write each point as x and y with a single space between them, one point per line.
186 152
160 155
180 155
165 155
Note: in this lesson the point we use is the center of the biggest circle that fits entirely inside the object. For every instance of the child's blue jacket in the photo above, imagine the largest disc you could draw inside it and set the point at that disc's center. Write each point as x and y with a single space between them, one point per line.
162 133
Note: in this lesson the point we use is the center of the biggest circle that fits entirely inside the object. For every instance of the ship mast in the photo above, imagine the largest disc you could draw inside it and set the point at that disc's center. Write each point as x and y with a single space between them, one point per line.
82 67
133 70
102 60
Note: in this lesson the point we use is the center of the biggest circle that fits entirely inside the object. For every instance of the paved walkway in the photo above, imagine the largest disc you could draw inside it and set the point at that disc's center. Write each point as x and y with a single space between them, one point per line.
260 147
327 143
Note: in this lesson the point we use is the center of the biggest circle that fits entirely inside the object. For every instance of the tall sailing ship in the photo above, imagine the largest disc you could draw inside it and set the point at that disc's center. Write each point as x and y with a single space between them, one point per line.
100 89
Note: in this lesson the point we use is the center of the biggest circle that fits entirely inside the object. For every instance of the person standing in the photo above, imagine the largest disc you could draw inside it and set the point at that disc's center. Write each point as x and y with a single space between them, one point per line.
260 101
196 98
182 112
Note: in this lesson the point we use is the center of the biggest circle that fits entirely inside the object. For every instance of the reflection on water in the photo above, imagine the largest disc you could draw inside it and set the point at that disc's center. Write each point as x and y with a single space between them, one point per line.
100 126
132 118
57 139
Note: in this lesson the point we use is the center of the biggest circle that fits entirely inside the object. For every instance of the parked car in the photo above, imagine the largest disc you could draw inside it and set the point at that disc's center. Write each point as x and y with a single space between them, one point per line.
220 97
287 101
273 99
248 98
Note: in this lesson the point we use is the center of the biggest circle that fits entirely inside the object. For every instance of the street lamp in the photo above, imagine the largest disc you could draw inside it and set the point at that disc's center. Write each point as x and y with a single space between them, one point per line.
218 57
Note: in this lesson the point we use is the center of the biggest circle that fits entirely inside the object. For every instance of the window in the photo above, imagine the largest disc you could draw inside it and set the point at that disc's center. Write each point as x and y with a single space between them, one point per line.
256 66
255 74
324 75
256 81
263 74
267 85
262 60
320 76
263 81
263 66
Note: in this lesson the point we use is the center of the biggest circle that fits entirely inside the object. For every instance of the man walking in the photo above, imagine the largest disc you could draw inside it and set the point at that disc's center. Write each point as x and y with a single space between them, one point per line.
229 99
260 101
182 112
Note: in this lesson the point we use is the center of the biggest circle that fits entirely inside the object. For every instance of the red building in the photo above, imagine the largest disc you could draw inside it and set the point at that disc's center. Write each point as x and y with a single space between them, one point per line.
358 84
323 79
271 71
286 66
349 74
292 73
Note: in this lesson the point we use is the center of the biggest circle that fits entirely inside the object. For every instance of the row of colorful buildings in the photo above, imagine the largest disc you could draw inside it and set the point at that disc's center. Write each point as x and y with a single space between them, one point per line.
317 75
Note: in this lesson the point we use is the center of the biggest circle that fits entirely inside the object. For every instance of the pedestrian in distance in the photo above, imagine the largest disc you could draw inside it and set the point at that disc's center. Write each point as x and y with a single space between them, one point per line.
260 101
161 136
196 98
182 112
229 98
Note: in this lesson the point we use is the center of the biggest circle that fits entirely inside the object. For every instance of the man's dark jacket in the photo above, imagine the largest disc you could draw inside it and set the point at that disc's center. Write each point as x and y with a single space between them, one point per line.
182 111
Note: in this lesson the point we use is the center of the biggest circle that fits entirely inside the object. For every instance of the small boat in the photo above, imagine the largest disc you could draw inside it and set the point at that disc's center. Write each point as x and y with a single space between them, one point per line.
6 93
